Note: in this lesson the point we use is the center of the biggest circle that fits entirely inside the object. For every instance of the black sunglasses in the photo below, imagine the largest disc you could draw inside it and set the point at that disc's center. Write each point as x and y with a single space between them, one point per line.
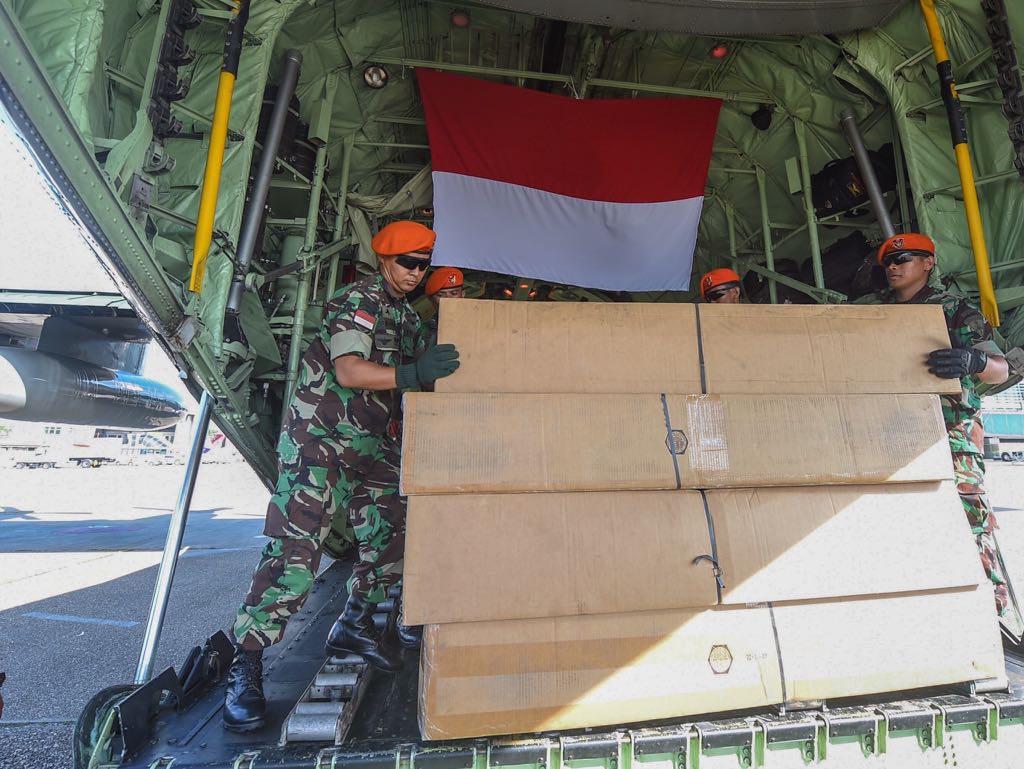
714 296
902 257
412 262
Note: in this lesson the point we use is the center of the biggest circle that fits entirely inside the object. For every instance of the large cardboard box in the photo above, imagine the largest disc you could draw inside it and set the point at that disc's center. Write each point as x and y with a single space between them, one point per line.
556 347
472 558
486 678
466 442
571 347
854 646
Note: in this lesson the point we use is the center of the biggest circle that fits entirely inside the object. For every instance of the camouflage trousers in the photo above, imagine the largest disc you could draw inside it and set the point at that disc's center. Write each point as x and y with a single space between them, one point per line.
969 471
314 489
376 513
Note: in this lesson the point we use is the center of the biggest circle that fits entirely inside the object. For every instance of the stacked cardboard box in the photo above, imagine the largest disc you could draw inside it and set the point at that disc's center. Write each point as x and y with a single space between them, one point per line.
628 512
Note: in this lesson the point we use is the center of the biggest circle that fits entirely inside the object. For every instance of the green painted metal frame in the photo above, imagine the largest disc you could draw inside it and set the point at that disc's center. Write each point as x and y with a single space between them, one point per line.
766 235
128 154
128 81
340 216
800 128
321 128
472 69
979 182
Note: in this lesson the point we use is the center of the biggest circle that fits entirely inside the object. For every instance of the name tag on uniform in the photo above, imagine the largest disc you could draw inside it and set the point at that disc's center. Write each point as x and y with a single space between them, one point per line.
364 319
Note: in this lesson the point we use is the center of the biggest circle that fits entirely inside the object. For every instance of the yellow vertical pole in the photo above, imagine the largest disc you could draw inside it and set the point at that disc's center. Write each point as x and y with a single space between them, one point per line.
218 140
958 133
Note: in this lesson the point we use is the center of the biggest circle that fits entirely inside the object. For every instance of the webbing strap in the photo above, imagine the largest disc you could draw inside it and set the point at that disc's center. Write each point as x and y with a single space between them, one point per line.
669 442
700 354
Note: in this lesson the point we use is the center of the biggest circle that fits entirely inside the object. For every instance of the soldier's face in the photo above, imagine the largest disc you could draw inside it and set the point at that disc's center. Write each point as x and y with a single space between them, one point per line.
724 295
909 274
405 271
457 292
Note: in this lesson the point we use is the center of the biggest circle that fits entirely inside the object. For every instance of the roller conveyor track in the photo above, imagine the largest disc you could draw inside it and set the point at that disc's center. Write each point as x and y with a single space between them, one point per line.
325 710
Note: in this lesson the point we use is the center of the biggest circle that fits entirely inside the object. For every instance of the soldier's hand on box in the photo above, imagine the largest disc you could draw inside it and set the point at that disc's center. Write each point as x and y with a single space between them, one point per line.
435 362
956 363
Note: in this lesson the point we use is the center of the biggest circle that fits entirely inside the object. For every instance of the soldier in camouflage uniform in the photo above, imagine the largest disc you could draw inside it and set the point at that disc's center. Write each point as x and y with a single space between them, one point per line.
443 283
340 445
975 357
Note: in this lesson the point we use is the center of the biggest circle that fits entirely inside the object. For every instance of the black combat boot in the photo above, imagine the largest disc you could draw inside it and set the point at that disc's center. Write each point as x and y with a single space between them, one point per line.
409 636
354 633
244 703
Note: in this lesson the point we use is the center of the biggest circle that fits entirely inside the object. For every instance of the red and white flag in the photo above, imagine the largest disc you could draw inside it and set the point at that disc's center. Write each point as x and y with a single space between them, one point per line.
601 193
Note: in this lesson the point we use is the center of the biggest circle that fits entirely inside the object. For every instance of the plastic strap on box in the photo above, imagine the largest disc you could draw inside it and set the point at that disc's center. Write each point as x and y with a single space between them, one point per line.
712 558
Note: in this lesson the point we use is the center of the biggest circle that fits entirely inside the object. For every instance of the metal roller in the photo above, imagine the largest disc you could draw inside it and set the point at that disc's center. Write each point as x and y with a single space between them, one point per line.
348 660
333 680
322 708
312 728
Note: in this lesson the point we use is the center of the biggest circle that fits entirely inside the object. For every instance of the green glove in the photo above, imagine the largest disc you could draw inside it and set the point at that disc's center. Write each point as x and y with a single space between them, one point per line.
434 363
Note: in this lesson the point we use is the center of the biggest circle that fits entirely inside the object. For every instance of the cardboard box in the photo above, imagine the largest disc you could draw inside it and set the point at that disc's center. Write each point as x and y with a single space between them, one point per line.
827 542
822 348
850 647
472 558
571 347
464 442
555 347
486 678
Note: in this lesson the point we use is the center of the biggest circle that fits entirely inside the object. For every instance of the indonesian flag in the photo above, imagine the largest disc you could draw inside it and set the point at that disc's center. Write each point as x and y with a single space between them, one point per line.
597 193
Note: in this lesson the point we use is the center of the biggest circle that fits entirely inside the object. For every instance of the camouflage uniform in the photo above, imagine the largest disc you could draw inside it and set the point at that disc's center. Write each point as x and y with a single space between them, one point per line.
339 449
962 414
430 328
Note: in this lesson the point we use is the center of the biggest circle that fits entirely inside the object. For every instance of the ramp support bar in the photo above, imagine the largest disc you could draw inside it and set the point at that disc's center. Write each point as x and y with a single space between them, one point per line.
218 139
172 545
812 221
867 172
264 173
958 133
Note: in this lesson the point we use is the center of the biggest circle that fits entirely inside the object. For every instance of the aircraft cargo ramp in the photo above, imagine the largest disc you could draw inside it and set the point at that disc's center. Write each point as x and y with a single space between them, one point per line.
902 729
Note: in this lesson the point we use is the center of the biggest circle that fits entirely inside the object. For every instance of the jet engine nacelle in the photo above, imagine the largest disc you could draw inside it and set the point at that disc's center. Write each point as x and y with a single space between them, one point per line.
44 387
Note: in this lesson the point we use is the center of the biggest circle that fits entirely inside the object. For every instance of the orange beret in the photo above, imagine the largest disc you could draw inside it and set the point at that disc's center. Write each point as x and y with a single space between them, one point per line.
715 278
403 238
443 277
907 242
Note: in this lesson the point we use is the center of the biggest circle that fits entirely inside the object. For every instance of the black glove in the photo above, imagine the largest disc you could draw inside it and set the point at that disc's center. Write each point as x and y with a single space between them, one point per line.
957 363
434 363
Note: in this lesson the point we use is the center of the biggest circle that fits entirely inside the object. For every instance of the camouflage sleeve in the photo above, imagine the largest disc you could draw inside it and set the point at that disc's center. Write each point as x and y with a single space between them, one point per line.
426 335
975 331
350 326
